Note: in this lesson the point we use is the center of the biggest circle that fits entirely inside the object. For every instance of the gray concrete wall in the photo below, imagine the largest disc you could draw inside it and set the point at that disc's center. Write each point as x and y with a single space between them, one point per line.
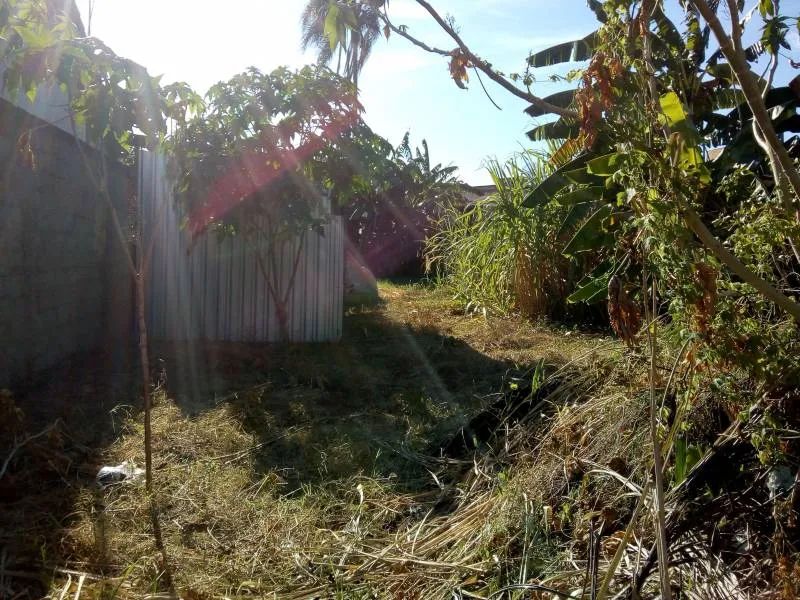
64 288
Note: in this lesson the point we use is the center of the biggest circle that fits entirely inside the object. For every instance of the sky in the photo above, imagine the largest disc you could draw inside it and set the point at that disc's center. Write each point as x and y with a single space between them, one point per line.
402 87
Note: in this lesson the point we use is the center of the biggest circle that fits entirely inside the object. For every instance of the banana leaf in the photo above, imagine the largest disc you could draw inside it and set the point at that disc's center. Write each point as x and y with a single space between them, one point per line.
555 182
582 195
576 214
557 130
560 99
594 286
593 234
576 50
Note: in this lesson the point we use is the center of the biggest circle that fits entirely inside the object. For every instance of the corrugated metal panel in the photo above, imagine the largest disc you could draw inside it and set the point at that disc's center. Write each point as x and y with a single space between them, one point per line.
213 289
50 105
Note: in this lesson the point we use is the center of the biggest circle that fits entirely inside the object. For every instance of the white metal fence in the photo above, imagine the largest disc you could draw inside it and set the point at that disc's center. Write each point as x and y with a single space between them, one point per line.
213 289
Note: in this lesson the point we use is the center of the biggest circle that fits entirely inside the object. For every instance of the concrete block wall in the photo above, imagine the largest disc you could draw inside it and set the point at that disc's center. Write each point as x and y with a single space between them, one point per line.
64 287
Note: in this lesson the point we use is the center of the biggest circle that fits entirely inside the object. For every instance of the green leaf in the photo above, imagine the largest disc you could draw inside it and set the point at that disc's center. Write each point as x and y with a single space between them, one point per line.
669 39
686 457
605 165
773 37
725 98
575 215
581 195
35 36
554 182
684 141
31 92
538 377
694 456
593 286
592 234
722 71
583 177
576 50
679 472
672 108
332 29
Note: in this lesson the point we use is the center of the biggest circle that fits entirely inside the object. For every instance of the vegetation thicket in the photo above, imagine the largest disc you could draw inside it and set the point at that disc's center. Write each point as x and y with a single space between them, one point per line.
500 255
694 252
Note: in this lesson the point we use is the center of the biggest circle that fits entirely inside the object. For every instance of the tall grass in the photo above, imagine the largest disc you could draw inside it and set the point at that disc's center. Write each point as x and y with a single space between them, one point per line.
499 255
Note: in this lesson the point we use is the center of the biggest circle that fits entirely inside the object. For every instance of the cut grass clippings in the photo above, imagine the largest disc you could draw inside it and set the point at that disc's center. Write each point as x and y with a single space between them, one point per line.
315 472
316 479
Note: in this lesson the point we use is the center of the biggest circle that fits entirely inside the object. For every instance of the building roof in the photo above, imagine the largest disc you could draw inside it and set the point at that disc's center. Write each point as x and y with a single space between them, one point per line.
483 190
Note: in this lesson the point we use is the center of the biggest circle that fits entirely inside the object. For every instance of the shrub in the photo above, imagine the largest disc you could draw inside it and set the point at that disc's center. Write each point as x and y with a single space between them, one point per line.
499 255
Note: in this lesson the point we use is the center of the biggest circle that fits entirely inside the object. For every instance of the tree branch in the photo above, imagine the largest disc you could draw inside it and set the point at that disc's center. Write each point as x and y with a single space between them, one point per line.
737 267
19 445
477 62
732 50
736 26
412 39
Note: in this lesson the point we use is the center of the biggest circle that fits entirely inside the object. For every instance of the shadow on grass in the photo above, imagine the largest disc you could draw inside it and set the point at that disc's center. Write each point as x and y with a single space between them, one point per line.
48 475
365 405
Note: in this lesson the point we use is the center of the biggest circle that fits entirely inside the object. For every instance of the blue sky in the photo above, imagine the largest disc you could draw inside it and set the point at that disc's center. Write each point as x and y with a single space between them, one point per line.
402 87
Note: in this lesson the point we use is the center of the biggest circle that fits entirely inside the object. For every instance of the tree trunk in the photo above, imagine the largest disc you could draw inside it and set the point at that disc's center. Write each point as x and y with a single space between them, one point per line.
283 319
144 355
279 296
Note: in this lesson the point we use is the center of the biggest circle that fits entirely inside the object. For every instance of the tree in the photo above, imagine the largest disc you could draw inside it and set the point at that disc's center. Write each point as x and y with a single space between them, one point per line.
772 39
390 197
435 186
251 164
705 246
681 65
709 239
345 29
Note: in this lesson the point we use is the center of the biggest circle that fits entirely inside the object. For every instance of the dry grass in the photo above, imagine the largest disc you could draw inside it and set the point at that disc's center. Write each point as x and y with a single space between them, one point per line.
506 338
226 528
319 477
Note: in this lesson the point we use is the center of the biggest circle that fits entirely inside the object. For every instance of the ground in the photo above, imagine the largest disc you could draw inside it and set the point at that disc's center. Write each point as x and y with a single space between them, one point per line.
269 459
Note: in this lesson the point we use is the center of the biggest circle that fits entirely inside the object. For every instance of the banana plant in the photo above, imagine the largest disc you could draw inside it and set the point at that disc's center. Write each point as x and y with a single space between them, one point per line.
701 107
